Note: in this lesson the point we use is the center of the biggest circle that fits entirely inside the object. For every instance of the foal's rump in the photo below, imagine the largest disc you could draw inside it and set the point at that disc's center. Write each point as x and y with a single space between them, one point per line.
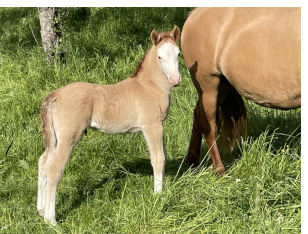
70 111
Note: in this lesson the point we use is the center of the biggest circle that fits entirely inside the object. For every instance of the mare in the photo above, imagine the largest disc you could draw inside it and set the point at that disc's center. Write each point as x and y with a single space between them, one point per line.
235 52
138 103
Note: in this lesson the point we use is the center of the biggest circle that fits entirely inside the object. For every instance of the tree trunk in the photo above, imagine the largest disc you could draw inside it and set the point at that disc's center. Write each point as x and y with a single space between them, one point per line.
50 31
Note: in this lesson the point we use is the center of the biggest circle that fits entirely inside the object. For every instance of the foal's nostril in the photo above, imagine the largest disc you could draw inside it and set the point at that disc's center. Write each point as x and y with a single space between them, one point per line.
175 80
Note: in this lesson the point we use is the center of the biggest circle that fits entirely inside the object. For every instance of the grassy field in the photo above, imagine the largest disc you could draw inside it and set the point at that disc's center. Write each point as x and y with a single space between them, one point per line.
107 186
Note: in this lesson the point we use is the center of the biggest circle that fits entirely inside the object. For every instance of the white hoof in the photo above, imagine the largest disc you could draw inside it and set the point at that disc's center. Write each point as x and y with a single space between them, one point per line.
51 221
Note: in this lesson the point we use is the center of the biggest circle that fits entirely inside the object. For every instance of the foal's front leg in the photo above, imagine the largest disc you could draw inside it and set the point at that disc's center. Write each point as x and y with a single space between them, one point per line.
154 137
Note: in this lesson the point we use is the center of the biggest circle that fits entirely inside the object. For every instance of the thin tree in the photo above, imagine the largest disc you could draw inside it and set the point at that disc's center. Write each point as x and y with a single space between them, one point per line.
50 32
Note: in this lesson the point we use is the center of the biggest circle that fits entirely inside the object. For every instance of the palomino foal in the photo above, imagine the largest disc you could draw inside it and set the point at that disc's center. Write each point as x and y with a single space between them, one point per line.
138 103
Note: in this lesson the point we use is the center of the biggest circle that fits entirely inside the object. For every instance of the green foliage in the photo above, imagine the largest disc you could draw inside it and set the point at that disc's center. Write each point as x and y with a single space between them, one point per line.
107 186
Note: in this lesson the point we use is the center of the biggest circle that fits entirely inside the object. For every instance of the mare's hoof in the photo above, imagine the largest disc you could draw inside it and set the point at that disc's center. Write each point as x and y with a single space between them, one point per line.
219 170
192 161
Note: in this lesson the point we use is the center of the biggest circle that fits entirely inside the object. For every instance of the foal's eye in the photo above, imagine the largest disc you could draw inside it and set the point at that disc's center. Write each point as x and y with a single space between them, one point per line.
159 57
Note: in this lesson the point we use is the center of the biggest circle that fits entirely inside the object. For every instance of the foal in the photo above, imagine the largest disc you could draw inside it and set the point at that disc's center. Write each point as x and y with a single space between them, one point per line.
138 103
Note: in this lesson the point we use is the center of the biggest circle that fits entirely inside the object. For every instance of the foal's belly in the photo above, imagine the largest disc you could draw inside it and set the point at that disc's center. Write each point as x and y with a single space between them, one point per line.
114 127
114 112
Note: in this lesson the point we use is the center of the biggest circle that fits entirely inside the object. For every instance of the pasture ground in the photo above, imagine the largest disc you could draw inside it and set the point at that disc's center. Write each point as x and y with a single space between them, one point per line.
107 186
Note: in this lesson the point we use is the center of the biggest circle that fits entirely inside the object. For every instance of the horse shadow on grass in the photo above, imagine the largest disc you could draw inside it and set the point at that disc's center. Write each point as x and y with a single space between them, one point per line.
87 187
84 192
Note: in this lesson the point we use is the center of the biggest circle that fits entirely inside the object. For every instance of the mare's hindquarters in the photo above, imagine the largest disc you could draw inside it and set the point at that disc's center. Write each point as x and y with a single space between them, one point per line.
257 50
261 53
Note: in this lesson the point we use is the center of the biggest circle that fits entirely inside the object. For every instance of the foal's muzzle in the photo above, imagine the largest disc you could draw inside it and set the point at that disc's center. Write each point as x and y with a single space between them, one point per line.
175 80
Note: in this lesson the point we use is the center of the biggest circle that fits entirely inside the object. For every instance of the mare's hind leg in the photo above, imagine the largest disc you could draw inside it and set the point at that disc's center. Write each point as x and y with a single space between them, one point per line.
204 124
193 154
210 102
205 118
154 137
212 145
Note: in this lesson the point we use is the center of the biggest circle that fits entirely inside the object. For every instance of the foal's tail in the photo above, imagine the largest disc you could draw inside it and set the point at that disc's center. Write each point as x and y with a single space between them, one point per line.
233 121
49 136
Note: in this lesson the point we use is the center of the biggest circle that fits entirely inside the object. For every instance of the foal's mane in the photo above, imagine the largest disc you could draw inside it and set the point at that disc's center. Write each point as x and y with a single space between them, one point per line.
139 67
162 36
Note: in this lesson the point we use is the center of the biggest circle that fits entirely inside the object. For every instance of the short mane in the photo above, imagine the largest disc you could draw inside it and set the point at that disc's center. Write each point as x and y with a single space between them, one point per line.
139 67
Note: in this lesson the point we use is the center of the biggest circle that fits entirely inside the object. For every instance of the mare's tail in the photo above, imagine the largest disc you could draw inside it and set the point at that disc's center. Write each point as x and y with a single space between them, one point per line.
49 136
233 121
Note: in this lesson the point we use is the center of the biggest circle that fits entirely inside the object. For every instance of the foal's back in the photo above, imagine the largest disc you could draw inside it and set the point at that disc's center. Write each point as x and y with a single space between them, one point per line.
109 108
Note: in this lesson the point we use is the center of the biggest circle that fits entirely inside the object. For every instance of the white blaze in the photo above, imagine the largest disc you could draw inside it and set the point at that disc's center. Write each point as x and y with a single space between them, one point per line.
168 55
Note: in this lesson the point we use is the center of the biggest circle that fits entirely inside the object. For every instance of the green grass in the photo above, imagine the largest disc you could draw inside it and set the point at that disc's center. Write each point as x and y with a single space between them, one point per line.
107 186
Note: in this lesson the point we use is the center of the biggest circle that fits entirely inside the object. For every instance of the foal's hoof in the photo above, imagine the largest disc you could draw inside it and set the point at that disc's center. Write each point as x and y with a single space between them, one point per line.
51 222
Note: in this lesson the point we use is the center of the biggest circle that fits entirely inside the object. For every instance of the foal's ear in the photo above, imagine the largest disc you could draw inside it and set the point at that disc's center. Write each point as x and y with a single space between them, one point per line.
175 32
154 37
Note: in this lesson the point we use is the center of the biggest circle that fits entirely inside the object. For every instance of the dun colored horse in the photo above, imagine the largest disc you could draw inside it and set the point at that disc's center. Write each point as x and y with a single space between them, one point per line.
138 103
253 52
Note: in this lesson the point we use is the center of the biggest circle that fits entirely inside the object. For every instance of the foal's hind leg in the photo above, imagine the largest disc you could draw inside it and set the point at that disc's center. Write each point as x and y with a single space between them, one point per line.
42 179
154 137
54 172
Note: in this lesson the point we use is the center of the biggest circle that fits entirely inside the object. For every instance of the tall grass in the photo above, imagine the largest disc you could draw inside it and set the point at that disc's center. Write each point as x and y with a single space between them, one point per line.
107 186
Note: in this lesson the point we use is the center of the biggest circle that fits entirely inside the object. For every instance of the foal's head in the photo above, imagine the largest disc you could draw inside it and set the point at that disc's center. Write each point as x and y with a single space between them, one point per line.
167 53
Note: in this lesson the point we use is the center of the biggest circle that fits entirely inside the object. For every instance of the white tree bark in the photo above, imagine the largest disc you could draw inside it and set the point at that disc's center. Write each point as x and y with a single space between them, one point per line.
49 34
